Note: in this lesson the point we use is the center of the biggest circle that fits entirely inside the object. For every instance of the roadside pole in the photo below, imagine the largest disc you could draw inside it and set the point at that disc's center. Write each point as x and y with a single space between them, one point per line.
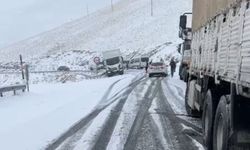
21 64
27 76
112 6
152 8
96 66
87 9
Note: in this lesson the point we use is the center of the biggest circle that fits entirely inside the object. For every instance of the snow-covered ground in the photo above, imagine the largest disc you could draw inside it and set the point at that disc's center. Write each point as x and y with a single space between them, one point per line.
32 120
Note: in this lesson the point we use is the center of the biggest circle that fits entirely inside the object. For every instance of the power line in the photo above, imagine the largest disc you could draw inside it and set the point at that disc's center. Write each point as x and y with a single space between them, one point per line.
87 9
112 6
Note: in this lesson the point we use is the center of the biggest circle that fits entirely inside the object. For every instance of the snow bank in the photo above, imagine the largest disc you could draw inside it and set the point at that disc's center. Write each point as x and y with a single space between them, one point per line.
32 120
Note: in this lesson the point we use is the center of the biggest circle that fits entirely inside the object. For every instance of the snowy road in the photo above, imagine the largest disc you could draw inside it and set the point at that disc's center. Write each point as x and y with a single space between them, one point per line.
147 115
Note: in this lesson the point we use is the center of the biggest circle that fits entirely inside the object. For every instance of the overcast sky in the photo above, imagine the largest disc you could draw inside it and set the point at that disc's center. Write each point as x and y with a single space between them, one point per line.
20 19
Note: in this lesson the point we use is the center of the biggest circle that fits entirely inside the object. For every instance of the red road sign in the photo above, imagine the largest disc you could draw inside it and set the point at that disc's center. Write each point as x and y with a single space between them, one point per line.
97 60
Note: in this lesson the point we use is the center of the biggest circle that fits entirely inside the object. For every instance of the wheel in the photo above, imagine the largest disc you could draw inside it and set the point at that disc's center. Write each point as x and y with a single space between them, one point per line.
190 111
180 72
185 74
181 77
221 126
209 109
121 72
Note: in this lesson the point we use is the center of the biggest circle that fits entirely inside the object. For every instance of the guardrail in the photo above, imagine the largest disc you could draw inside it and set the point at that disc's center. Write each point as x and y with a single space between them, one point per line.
40 72
13 88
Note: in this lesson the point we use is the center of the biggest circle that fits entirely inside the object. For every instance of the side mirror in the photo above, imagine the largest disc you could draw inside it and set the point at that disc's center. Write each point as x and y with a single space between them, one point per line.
183 22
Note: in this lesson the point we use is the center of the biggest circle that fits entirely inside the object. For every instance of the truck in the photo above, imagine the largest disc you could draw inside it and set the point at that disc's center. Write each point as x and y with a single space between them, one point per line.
185 33
113 62
218 76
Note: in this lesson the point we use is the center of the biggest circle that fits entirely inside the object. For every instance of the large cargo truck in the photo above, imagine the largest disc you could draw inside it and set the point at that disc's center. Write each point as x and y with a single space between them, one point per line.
218 85
113 62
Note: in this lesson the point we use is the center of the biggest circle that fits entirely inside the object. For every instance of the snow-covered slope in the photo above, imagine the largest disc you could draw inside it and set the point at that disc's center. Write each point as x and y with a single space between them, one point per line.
130 27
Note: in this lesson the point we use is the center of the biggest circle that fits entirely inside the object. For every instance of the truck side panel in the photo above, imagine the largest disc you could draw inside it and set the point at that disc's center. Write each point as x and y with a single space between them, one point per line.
222 47
205 10
245 51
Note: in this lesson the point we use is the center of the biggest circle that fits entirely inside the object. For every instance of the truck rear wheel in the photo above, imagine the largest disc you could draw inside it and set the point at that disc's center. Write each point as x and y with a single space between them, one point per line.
221 126
184 73
209 109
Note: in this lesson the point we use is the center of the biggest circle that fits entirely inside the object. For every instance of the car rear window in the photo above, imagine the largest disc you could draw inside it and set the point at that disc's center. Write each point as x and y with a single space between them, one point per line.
157 64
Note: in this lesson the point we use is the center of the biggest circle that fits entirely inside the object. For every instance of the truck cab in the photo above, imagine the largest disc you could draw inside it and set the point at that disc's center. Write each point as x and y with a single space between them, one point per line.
185 33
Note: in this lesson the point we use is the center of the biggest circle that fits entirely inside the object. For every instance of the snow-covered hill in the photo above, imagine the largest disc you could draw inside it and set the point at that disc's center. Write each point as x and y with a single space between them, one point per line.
130 27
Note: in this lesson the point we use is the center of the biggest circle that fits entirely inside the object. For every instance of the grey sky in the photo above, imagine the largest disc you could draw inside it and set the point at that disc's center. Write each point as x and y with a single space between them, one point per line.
20 19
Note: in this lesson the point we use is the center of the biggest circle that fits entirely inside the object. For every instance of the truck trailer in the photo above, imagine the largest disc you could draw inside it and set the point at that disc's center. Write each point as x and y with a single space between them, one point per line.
218 83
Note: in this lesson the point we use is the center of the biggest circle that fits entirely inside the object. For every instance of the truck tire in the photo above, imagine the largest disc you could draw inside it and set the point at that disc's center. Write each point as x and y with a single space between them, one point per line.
109 75
185 74
221 126
121 72
180 72
209 109
190 111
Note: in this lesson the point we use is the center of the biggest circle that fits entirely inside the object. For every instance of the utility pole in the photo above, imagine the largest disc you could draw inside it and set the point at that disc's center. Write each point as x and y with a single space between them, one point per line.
87 9
152 8
21 64
112 6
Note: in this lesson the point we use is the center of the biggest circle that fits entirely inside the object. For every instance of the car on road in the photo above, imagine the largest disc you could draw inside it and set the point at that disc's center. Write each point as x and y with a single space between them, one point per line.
158 69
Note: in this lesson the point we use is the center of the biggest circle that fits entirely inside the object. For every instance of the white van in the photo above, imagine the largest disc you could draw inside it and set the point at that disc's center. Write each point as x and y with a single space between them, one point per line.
138 63
113 62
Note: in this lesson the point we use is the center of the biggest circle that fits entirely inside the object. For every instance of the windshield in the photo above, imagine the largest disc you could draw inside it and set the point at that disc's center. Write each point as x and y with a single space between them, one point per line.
113 61
145 59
